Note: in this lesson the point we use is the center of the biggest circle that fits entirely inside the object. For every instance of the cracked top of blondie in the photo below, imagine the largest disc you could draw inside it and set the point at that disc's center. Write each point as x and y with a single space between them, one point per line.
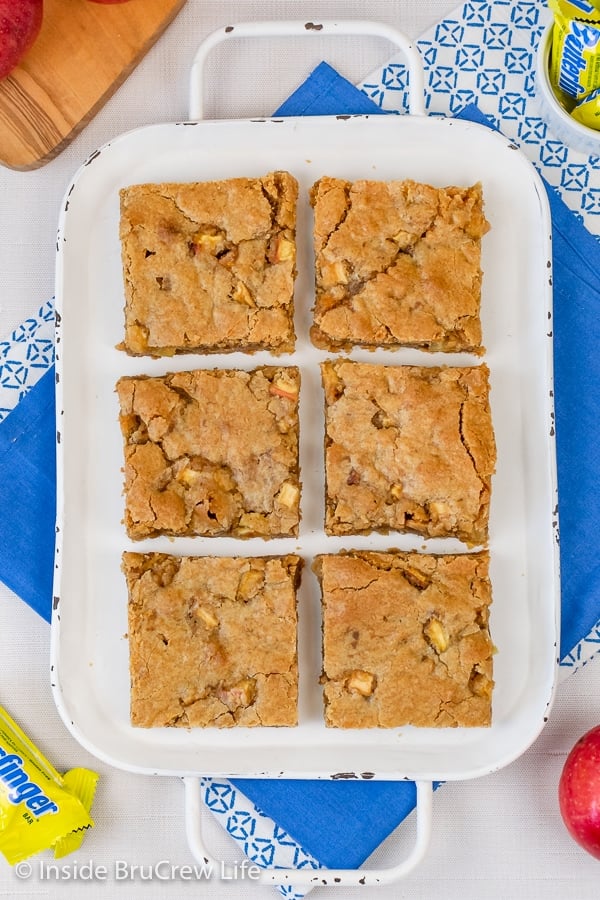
409 448
209 266
397 264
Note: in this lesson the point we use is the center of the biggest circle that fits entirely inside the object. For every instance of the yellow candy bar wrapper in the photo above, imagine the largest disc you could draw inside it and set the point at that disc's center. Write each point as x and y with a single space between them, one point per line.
39 808
575 51
587 111
576 9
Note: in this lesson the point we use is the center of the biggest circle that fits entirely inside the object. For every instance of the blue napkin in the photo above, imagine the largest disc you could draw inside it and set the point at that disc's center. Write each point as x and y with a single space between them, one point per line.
341 822
28 496
326 93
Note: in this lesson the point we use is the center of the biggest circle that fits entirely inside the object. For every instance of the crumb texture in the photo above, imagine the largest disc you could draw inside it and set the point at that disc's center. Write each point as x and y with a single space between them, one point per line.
211 452
408 448
406 639
209 266
397 263
213 641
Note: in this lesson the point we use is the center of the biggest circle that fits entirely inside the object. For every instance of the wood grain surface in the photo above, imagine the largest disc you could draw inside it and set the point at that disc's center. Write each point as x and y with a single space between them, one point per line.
83 53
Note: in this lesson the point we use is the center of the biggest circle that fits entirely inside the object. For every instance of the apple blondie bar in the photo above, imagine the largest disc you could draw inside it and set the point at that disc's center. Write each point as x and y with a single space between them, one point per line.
397 263
209 266
211 452
408 448
406 639
213 641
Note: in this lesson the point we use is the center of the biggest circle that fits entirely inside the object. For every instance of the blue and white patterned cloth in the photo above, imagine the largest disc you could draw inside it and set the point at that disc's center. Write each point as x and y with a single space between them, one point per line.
262 840
485 53
24 357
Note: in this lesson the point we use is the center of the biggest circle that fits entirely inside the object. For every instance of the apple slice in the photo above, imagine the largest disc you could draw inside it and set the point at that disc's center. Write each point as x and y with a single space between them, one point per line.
20 23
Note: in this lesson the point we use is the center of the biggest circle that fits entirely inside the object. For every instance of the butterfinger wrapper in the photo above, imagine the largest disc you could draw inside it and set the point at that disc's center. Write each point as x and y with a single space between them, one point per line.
586 10
575 52
587 111
39 808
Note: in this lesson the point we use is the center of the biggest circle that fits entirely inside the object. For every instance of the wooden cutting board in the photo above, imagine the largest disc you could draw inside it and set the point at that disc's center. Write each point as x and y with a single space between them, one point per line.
83 53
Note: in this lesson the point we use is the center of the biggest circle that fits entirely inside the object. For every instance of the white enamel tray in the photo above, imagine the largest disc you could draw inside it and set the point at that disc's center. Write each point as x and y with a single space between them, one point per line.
89 646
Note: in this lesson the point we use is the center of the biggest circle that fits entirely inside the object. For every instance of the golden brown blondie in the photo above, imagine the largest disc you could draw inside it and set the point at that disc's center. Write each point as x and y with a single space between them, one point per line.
213 641
211 452
409 448
209 266
406 639
397 263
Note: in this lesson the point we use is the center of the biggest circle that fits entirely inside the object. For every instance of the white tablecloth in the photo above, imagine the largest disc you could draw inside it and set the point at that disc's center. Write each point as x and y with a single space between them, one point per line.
495 837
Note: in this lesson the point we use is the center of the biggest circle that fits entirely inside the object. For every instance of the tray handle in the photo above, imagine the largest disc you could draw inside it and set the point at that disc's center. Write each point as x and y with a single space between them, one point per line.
194 815
416 104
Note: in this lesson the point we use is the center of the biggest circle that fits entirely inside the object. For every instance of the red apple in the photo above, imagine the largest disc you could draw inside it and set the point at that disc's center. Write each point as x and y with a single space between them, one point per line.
20 23
579 792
